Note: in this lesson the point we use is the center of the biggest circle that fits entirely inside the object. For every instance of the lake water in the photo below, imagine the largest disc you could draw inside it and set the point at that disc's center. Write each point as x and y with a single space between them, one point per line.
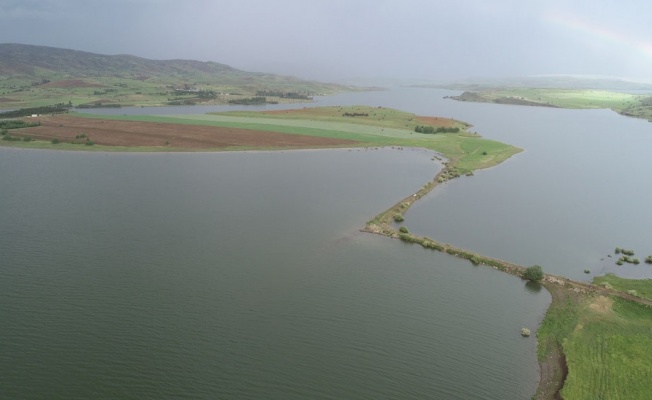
243 275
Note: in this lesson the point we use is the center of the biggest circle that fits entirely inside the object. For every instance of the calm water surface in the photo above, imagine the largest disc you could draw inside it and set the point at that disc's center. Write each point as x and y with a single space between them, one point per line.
242 275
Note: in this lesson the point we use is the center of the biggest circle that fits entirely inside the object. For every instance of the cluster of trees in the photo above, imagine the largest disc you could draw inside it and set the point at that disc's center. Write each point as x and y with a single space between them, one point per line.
186 102
348 114
41 82
25 112
8 138
102 92
250 100
432 129
284 95
207 94
16 124
99 105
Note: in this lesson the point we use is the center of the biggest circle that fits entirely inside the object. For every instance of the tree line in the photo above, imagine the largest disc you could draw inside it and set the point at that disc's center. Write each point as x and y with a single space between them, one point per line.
432 129
25 112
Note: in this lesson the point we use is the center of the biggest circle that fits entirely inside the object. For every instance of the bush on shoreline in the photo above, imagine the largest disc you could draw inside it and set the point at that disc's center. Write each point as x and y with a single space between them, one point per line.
533 273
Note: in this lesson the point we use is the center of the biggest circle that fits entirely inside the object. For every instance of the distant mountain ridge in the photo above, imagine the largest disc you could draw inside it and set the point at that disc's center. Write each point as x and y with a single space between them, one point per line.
30 61
32 76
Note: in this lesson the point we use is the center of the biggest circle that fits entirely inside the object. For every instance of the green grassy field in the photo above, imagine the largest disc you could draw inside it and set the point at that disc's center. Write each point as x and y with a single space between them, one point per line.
607 343
609 352
467 151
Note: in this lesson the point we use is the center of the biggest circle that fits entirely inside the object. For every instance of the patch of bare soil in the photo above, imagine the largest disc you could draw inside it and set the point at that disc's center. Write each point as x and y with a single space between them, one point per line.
602 305
553 373
71 83
134 133
437 121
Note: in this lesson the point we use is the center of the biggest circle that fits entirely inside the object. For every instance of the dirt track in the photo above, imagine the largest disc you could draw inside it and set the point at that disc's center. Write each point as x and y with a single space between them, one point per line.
133 133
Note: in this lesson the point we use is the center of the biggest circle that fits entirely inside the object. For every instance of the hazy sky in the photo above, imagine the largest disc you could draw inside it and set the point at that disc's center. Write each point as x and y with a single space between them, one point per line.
336 39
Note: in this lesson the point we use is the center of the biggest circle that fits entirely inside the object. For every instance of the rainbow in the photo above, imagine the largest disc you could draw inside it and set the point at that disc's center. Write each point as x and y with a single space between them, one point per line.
601 32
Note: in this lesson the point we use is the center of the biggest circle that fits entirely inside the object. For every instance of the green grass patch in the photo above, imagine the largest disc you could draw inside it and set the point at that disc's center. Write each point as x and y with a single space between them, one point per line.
607 343
609 351
643 287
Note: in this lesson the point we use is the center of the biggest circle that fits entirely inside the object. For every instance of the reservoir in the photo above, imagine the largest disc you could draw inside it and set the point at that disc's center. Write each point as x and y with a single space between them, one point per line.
244 275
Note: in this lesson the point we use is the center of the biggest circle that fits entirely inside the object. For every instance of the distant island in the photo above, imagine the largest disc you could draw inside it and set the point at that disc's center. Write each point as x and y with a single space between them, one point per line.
632 105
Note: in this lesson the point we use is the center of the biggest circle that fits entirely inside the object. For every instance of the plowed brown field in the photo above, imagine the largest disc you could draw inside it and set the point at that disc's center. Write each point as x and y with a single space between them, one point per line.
134 133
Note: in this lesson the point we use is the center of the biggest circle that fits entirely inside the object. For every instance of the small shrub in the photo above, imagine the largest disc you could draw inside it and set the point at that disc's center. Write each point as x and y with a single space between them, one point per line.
635 261
484 153
398 218
619 262
27 139
55 141
632 292
587 271
403 229
407 238
618 250
533 273
525 332
89 143
648 260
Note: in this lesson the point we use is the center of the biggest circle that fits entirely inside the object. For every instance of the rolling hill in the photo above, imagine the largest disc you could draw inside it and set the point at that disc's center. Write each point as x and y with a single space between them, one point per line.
38 75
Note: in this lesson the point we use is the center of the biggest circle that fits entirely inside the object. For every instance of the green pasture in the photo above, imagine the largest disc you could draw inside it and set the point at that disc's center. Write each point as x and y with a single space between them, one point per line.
467 151
609 352
642 287
376 116
607 343
568 98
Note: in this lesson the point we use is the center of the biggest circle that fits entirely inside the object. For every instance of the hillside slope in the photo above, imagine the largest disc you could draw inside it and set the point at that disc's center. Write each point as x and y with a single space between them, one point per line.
38 75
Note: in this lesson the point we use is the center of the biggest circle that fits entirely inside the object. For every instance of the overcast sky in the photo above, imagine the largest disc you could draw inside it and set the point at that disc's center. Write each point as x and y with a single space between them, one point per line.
340 39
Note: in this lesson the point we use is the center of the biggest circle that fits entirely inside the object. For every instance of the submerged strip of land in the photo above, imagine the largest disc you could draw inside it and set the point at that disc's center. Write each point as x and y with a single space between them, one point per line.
594 340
